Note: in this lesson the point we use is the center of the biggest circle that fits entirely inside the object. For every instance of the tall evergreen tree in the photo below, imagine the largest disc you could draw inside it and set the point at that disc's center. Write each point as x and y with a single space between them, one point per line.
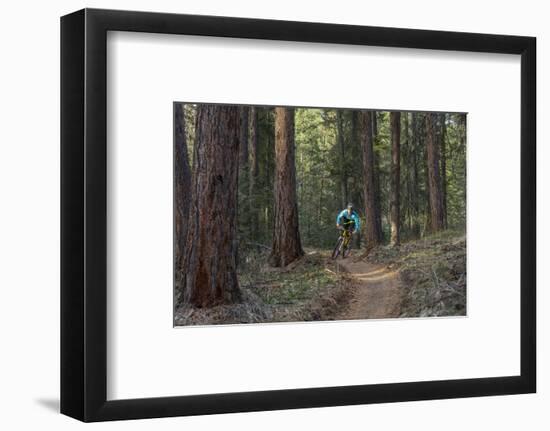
443 138
414 178
210 260
373 234
395 199
342 154
287 245
253 171
377 185
434 174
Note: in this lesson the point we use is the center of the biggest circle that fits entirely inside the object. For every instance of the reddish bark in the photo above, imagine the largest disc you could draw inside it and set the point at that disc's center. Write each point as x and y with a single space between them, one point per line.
211 248
395 126
287 245
373 234
415 175
342 154
377 191
443 139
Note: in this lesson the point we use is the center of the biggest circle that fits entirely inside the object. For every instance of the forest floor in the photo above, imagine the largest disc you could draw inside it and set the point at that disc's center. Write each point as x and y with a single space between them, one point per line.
376 292
305 290
417 279
432 273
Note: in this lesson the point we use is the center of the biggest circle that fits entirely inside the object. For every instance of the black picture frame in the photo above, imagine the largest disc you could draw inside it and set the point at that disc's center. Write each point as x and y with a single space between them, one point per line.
84 214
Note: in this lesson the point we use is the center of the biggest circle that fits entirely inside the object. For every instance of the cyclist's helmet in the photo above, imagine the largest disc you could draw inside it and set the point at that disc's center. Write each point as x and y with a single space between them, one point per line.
350 206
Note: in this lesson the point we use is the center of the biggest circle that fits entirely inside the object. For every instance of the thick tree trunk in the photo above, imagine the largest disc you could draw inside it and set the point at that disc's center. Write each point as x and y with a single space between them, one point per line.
287 246
372 232
395 216
342 153
434 174
443 138
253 177
182 188
210 260
269 183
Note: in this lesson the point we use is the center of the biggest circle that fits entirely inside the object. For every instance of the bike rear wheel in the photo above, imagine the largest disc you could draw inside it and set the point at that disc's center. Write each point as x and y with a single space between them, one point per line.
338 247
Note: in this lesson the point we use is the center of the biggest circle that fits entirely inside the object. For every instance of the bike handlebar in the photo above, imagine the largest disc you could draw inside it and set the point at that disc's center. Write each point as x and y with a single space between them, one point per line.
345 224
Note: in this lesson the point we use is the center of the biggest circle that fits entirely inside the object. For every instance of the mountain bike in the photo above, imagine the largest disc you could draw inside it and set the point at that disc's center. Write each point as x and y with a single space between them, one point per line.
343 245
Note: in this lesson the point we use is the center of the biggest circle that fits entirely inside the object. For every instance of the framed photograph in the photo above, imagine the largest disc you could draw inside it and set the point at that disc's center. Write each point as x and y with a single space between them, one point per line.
261 215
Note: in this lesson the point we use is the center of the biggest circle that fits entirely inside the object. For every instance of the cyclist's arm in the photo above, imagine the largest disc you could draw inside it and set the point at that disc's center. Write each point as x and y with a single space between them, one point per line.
339 219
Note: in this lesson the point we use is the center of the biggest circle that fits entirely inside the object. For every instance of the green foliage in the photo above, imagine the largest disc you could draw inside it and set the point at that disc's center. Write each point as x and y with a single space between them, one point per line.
324 171
316 169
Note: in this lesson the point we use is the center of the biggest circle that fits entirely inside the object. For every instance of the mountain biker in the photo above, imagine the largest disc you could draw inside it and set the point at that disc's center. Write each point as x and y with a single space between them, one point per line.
348 219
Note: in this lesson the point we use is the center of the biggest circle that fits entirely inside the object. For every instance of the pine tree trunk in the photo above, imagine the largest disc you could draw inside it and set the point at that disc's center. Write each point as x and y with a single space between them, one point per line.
287 245
182 188
269 167
377 191
406 174
357 191
253 205
423 133
395 216
372 232
463 120
243 203
443 139
434 174
414 180
210 260
342 152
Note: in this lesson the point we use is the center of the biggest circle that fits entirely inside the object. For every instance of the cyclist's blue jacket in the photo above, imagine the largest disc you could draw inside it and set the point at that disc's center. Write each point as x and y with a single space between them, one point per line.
344 217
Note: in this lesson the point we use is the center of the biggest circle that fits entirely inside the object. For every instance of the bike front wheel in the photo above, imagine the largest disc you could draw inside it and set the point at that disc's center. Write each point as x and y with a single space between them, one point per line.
338 247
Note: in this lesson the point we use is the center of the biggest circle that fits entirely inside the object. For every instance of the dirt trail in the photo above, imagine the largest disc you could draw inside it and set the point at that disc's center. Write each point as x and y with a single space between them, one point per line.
377 291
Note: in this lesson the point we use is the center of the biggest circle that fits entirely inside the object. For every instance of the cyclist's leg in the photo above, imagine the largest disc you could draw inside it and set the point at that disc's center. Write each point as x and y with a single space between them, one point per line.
347 237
